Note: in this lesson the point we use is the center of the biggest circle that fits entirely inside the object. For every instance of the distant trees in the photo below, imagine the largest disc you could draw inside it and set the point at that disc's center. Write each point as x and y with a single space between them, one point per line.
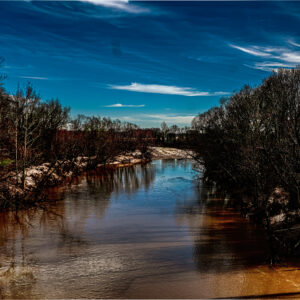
31 126
27 129
249 146
40 135
102 139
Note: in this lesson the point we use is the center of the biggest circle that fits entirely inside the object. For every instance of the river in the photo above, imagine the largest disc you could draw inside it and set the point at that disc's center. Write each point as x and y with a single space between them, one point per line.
147 231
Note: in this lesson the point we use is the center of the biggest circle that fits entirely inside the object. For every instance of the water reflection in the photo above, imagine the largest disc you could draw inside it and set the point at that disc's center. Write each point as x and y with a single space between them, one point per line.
223 240
115 233
32 239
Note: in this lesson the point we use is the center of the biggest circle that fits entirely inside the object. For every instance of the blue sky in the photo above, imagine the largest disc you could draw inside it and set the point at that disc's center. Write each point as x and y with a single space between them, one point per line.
145 62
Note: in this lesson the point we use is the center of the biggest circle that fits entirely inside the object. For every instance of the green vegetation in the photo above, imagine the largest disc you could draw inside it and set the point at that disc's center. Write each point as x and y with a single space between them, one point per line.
6 162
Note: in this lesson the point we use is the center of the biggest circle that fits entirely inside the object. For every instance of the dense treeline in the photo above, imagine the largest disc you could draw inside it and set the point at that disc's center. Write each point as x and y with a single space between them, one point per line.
249 146
40 141
41 134
174 136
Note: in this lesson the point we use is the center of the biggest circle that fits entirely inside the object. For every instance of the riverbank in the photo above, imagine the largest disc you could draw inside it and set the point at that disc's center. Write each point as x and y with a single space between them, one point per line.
170 153
47 174
83 163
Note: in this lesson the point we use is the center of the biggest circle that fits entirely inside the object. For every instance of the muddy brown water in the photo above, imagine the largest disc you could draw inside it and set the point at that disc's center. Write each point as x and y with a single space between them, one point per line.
151 231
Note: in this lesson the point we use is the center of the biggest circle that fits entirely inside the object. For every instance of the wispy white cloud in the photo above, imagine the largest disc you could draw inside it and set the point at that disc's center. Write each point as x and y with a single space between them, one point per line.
113 3
122 5
34 77
273 64
156 119
118 4
125 105
269 66
293 43
129 119
171 119
253 51
278 57
164 89
293 57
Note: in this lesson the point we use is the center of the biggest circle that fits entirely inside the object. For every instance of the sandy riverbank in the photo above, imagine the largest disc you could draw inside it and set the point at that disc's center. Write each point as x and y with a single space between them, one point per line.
120 161
62 170
170 153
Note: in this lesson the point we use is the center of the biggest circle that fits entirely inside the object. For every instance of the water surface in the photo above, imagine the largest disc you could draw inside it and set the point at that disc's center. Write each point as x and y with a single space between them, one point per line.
151 231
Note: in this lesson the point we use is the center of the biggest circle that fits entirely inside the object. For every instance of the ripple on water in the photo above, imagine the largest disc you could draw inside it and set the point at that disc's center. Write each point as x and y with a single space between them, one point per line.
138 232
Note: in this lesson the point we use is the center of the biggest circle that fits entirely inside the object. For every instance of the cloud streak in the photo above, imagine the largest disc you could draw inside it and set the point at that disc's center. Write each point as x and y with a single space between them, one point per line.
34 77
252 50
270 66
123 5
157 119
171 119
278 57
125 105
164 89
293 43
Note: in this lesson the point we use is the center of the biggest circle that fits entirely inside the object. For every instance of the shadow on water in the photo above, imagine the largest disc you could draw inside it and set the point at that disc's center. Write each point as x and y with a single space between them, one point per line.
223 240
